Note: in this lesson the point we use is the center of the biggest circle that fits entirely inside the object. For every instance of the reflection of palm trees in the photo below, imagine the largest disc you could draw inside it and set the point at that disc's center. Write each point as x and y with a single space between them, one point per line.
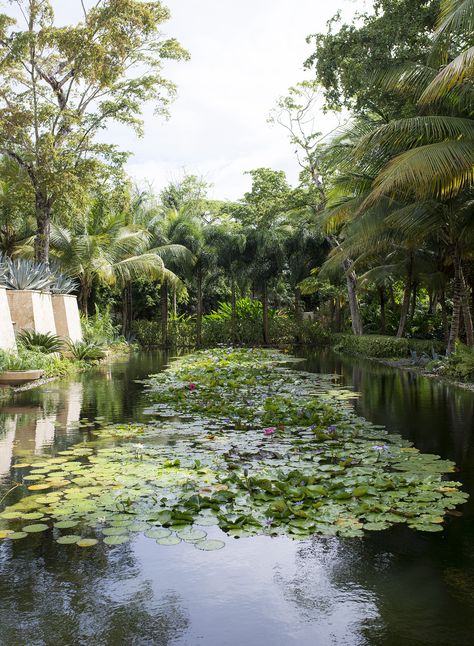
102 598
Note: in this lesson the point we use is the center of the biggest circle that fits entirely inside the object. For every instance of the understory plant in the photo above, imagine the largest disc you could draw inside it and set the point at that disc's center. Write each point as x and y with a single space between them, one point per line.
84 351
45 342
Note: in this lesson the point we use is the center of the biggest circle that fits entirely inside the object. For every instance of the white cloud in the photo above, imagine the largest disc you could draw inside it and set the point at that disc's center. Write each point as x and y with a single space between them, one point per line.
245 54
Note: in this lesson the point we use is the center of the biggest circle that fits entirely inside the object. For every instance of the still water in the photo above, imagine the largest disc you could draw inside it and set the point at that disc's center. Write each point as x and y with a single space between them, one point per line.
390 589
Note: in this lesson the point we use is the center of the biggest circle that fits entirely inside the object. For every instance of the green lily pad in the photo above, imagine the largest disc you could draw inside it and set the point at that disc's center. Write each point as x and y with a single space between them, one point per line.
34 529
209 545
192 535
68 539
87 542
66 524
17 536
116 540
159 532
168 540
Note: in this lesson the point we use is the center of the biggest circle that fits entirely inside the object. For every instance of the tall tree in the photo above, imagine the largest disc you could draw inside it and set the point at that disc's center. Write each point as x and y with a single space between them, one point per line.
61 86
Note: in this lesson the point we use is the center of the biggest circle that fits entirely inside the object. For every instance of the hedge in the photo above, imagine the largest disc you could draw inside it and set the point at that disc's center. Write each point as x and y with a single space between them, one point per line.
372 345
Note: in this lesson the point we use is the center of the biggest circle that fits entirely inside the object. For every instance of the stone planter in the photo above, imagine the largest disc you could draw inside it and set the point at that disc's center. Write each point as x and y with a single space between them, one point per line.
31 310
19 377
7 333
66 317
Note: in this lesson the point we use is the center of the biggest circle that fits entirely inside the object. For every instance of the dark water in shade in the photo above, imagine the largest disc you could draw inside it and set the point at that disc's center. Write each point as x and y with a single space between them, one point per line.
394 588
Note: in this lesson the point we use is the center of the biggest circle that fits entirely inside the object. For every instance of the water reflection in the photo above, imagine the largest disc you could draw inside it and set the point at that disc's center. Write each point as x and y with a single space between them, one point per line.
395 587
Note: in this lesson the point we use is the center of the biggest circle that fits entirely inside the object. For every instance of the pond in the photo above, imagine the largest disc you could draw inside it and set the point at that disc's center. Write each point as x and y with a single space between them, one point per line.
388 588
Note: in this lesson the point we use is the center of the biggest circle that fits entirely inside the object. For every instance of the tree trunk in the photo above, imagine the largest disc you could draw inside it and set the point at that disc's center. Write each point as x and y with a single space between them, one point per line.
466 310
233 305
404 310
175 303
444 316
199 307
351 280
126 310
413 301
43 228
406 300
457 306
164 313
382 309
337 314
266 334
83 298
298 314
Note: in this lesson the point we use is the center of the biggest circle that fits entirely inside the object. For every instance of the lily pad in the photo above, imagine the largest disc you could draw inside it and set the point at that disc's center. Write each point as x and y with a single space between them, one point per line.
36 528
87 542
159 532
209 545
116 540
68 539
168 540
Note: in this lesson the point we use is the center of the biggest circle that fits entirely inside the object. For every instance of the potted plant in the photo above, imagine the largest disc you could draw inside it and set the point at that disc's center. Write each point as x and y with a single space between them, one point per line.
19 368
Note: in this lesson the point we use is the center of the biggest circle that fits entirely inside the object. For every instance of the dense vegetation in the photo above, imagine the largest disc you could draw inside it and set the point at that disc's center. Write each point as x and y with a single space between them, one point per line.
376 238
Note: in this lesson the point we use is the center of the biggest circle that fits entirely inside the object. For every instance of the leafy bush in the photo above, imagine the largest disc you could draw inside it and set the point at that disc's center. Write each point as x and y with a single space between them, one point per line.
147 333
245 309
372 345
44 342
427 346
84 351
99 328
460 365
53 366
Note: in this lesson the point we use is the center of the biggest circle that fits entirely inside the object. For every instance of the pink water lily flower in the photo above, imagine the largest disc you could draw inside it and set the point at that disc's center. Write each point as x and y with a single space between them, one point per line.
269 431
192 387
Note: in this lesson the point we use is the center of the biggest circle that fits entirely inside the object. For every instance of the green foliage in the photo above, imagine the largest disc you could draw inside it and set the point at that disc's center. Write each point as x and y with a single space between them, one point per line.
181 332
46 343
247 309
25 274
99 328
460 364
84 351
346 57
52 365
372 345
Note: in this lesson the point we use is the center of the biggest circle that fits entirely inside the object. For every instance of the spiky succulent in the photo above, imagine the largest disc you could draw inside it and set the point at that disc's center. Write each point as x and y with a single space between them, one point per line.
44 342
25 274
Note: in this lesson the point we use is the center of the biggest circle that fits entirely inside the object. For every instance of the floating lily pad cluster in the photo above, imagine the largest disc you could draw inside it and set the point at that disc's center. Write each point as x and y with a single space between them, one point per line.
242 440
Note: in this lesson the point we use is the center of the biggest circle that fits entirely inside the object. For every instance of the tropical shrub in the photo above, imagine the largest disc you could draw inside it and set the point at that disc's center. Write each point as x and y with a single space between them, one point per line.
372 345
147 333
460 364
44 342
52 365
99 328
84 351
245 309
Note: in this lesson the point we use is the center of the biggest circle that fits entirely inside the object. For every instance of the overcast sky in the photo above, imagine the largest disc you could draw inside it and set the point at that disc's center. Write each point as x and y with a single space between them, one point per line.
244 55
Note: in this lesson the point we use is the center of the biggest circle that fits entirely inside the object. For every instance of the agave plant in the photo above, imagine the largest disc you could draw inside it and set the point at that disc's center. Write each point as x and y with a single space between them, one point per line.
25 274
62 284
44 342
83 351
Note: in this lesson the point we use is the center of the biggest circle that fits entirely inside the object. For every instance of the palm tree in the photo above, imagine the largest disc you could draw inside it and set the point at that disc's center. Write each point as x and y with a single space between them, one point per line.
101 247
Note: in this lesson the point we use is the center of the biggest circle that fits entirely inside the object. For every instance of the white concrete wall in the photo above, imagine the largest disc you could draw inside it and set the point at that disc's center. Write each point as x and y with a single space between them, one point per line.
31 310
66 315
7 333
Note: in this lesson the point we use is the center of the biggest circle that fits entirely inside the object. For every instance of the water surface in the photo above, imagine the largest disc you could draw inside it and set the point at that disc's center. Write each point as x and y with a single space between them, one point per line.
391 588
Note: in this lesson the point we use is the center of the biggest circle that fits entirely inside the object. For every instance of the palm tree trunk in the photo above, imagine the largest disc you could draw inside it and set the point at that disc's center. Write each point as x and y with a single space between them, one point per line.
199 307
413 301
457 306
466 310
351 280
83 298
406 300
298 314
164 313
233 305
126 310
266 334
382 309
175 303
444 315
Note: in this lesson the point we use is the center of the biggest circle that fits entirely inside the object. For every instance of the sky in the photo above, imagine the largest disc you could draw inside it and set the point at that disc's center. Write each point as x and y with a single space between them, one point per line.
244 56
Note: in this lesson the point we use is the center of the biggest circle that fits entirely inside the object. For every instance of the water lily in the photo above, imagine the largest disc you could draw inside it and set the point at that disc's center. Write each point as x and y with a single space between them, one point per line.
269 521
192 387
269 431
380 447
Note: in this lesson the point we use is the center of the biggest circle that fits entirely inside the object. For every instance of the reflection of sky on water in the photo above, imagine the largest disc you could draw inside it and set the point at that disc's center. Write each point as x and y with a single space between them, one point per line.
393 588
